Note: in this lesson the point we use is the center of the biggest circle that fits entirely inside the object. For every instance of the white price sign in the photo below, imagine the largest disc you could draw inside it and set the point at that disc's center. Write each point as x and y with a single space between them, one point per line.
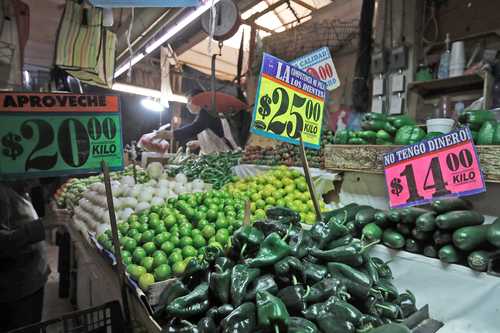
319 64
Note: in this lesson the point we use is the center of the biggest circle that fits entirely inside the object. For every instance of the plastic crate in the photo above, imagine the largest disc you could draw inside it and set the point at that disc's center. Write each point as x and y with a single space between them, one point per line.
106 318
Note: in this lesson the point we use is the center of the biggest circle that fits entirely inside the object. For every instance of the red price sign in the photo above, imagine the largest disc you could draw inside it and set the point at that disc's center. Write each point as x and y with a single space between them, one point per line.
439 167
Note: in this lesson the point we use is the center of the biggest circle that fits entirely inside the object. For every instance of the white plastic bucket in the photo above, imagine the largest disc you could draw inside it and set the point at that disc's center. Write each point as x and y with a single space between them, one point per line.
442 125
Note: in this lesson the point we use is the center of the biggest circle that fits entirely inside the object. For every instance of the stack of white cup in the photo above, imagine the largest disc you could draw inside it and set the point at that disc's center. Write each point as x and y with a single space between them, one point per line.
457 61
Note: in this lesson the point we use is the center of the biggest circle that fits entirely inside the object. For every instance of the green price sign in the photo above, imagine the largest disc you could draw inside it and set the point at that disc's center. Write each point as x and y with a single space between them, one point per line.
48 139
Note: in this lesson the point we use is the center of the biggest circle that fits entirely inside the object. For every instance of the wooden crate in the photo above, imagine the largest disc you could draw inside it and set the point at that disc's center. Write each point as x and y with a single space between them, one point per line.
368 159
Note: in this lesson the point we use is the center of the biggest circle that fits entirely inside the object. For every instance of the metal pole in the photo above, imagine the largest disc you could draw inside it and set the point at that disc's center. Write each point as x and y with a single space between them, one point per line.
309 181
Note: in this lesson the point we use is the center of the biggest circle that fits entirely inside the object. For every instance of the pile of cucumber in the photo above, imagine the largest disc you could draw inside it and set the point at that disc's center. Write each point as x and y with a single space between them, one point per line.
447 229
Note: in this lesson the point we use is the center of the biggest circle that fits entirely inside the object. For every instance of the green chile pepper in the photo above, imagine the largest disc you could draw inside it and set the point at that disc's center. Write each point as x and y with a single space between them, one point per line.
314 272
342 136
348 254
192 304
301 325
240 320
293 298
263 282
248 237
207 325
272 249
327 322
383 135
408 134
349 272
324 289
357 141
220 284
300 247
271 312
241 277
175 289
344 240
400 121
289 268
486 133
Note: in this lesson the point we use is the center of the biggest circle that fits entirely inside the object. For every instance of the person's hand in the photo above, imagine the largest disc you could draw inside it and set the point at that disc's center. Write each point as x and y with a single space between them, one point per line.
193 145
163 135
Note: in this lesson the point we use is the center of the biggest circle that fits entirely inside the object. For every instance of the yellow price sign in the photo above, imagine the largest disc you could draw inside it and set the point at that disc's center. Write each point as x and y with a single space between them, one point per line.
289 104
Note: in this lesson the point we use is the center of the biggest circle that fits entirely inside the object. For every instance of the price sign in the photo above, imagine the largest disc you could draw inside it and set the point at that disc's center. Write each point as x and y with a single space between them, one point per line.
319 64
58 134
289 103
443 166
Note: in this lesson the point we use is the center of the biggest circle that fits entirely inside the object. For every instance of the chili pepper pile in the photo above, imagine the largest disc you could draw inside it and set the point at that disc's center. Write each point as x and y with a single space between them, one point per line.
483 125
214 169
278 277
448 229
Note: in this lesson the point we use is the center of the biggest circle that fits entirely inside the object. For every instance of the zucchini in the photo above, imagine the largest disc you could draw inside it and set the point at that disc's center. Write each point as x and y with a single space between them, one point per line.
364 216
393 239
458 218
441 237
394 215
421 235
426 222
493 234
410 215
479 260
449 204
391 328
372 232
412 246
380 219
430 251
469 238
449 254
403 229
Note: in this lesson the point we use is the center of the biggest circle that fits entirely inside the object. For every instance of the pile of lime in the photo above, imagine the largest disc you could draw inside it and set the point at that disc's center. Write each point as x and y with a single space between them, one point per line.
280 186
158 243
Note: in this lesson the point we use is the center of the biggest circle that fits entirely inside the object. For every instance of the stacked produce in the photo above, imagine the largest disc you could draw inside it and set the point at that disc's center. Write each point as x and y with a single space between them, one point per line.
214 169
129 197
448 229
278 277
68 195
277 187
159 241
384 130
483 125
287 154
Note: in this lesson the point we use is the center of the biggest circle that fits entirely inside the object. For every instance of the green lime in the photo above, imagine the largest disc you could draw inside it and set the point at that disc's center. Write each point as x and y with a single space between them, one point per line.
164 212
127 260
133 218
162 272
175 257
143 218
123 227
159 229
182 219
260 214
131 232
208 231
155 223
134 225
138 254
135 271
160 259
146 280
147 236
143 227
174 229
154 215
189 251
167 247
183 231
126 253
202 223
186 240
199 241
179 267
147 263
128 243
161 238
216 244
174 240
221 223
169 221
222 238
149 247
211 215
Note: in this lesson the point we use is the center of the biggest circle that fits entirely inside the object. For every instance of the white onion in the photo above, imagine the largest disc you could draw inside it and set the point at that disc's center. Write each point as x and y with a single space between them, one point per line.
163 192
156 201
128 180
198 184
152 183
125 214
181 178
101 228
163 183
155 170
146 195
136 191
141 206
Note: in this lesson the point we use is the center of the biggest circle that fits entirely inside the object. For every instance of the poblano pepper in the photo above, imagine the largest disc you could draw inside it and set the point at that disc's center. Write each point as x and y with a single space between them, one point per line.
328 322
174 290
183 326
294 298
324 289
348 272
322 232
241 277
219 313
301 325
263 282
220 283
192 304
283 215
195 272
301 245
271 312
314 272
207 325
342 137
400 121
486 133
272 249
268 227
248 238
348 254
223 264
289 268
241 320
407 135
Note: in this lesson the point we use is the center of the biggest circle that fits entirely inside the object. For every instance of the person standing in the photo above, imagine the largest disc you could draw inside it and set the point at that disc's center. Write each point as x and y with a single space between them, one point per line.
23 258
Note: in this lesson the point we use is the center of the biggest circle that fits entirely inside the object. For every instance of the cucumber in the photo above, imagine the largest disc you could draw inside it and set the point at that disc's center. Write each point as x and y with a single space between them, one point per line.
441 237
394 215
391 328
430 251
426 222
458 218
372 232
493 234
410 215
449 254
421 235
479 260
412 246
449 204
403 229
469 238
380 218
393 239
364 216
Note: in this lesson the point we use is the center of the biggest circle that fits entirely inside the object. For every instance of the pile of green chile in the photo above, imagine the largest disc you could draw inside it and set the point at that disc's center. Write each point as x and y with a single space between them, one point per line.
447 229
278 277
483 125
214 168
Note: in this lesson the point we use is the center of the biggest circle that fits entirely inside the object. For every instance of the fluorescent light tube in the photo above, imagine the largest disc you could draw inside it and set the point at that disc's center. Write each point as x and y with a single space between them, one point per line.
127 65
147 92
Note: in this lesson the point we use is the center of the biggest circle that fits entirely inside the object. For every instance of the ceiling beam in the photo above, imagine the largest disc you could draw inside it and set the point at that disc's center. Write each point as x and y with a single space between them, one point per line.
258 27
304 4
267 10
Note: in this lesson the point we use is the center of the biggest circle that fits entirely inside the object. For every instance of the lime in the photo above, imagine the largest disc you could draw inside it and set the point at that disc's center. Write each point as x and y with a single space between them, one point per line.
146 280
135 271
147 263
175 257
128 243
231 213
138 237
211 215
134 224
169 221
127 260
174 229
143 218
167 247
260 214
222 238
143 227
138 254
260 204
164 212
179 267
123 227
147 236
149 247
133 218
186 240
154 215
155 223
159 259
216 244
199 241
174 240
208 231
182 219
189 251
131 232
270 201
162 272
184 231
126 253
221 223
159 229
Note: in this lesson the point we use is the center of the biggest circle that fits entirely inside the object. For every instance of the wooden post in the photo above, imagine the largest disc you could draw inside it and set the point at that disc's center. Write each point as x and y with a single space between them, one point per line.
116 242
309 181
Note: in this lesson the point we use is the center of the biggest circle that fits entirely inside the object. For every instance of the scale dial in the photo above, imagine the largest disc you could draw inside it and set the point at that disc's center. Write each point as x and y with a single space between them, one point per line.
227 20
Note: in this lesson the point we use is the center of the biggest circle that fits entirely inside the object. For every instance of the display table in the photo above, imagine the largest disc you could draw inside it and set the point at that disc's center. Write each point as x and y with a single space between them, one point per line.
465 300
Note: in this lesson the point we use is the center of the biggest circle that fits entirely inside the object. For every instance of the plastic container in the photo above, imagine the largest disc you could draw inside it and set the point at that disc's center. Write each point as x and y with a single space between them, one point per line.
442 125
457 59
